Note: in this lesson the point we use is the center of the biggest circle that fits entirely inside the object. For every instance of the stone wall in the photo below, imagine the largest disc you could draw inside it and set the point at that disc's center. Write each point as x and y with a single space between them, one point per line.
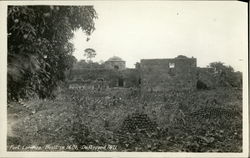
149 75
167 74
113 78
107 75
89 85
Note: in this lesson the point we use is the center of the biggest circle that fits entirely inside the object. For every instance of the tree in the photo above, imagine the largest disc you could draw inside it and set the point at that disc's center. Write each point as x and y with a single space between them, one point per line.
39 51
225 75
89 53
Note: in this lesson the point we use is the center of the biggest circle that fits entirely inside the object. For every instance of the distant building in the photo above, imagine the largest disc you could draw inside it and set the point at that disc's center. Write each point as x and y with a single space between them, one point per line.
115 63
149 75
165 74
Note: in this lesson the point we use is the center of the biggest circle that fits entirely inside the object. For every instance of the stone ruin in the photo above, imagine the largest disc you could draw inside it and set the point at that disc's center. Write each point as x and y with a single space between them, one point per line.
150 75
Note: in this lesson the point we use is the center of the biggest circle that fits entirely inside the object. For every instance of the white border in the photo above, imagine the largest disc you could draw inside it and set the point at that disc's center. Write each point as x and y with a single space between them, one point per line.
3 100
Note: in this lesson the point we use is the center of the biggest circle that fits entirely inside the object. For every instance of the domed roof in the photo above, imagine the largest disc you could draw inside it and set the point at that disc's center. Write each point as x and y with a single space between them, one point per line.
115 58
181 57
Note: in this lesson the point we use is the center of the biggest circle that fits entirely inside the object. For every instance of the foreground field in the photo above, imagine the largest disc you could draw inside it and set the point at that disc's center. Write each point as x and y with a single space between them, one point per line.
125 120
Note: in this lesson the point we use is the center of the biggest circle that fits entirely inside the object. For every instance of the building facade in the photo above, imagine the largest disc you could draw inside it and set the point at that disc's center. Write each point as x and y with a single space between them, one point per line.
115 63
166 74
149 75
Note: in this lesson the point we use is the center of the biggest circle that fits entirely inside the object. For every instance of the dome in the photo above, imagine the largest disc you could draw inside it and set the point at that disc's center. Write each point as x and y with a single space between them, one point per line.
181 57
115 58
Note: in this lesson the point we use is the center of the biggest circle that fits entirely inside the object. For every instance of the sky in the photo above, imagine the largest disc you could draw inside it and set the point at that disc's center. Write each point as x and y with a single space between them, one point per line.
209 31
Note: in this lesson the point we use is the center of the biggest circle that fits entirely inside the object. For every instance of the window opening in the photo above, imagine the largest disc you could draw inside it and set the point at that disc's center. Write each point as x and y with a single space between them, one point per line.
171 65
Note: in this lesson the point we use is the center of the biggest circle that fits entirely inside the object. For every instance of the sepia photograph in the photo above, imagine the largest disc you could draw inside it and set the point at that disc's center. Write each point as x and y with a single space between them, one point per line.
119 77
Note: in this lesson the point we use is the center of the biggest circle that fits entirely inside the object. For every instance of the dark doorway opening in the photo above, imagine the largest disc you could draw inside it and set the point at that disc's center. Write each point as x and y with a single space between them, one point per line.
116 67
120 82
139 81
171 72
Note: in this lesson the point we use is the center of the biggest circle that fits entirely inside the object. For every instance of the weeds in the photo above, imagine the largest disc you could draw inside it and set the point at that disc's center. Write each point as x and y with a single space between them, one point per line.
191 121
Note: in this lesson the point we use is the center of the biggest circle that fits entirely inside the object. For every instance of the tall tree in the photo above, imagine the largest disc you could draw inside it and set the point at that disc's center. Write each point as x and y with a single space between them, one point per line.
39 51
89 53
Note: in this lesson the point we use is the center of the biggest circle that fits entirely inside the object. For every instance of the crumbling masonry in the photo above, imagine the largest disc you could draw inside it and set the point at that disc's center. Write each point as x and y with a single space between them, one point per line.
149 75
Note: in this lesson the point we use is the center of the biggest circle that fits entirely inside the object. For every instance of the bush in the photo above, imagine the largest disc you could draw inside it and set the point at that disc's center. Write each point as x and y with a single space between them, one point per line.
177 123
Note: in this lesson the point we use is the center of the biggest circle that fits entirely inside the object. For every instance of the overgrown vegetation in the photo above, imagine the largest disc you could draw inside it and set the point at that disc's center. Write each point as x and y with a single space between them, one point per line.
226 75
39 54
189 121
39 51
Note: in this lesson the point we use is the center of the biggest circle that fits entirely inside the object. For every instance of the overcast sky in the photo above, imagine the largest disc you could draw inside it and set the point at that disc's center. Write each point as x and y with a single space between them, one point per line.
209 31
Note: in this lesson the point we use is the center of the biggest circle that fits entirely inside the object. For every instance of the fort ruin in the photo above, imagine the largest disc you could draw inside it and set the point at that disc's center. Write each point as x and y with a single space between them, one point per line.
155 75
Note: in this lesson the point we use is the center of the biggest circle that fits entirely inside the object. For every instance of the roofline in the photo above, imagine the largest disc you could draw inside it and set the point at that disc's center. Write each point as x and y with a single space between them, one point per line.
167 58
115 60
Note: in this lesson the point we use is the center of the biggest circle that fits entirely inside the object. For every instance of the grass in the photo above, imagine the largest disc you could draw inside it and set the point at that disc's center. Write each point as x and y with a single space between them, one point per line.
191 121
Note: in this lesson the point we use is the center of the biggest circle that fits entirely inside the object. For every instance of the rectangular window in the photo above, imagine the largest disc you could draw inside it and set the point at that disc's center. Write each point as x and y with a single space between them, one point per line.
171 65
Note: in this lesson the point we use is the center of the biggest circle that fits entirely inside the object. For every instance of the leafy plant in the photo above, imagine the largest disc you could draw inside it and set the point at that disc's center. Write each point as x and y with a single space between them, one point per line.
39 51
89 53
225 75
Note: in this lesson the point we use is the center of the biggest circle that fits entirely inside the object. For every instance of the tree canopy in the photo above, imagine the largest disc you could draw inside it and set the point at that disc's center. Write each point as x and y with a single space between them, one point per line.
226 76
89 53
39 51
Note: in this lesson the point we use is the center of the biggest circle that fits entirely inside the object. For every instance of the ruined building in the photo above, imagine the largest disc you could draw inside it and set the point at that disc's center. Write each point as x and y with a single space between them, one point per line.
149 75
113 73
165 74
115 63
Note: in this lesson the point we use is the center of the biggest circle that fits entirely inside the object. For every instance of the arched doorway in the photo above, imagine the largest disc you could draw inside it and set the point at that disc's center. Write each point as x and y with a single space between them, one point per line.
116 67
120 82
